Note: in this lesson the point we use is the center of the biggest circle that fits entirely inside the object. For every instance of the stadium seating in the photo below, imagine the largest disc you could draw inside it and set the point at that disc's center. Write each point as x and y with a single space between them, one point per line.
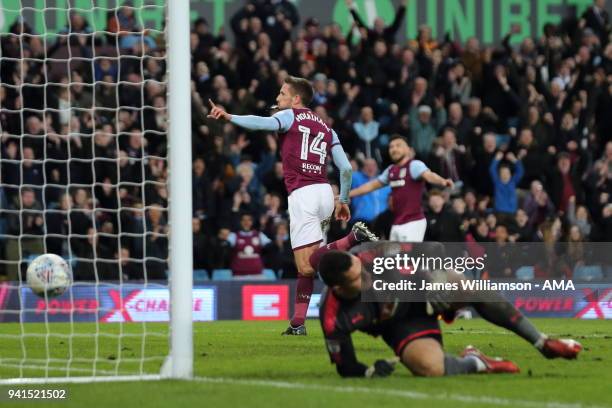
525 273
269 274
200 275
588 273
226 275
222 274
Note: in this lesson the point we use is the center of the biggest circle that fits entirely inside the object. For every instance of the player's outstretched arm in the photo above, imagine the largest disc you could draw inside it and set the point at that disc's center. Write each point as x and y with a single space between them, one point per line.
218 113
379 182
280 121
434 178
366 188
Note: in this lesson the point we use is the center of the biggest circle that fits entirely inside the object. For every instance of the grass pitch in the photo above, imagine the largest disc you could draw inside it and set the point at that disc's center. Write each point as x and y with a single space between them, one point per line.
249 364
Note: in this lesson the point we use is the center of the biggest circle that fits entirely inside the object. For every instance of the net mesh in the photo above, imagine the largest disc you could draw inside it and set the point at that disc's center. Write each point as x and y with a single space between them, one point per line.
83 170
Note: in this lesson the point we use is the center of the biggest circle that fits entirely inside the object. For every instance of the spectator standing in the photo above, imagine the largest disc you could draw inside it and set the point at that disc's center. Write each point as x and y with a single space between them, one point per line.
368 206
278 255
424 129
367 130
597 19
26 226
247 246
505 183
443 224
379 31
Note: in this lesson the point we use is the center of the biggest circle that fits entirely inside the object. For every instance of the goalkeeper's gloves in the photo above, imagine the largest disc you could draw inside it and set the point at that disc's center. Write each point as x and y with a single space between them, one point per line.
382 368
438 301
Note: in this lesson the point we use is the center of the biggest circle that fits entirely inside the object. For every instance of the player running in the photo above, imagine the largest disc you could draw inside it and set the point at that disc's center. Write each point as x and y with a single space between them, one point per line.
306 142
410 329
407 178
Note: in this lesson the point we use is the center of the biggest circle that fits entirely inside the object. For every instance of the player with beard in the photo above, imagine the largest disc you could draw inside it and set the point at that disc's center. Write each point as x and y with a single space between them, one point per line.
407 178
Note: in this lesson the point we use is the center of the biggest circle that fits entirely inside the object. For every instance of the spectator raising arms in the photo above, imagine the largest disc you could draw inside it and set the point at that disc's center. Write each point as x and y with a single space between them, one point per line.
504 183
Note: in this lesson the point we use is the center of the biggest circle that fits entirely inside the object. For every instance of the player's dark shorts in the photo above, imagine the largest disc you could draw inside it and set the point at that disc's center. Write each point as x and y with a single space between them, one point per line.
416 325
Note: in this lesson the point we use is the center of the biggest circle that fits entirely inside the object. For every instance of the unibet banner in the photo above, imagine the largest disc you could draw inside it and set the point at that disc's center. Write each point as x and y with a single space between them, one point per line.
489 20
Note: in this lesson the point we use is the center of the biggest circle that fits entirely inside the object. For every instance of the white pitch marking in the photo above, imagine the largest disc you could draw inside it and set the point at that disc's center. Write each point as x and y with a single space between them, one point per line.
486 400
469 331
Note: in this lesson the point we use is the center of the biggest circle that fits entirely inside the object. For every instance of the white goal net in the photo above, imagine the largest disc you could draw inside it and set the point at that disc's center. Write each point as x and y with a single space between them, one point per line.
84 174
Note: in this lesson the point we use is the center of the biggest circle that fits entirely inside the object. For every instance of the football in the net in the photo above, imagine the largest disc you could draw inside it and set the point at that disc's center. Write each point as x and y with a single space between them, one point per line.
49 274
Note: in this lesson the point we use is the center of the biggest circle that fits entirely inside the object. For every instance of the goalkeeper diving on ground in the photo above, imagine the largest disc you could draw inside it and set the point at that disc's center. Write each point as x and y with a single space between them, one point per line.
412 330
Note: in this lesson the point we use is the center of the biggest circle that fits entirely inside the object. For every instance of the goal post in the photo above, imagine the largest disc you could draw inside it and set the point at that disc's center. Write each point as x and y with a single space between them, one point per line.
95 166
180 361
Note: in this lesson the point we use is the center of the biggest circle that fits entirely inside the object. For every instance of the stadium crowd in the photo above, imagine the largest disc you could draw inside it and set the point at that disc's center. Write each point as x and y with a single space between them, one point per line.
524 131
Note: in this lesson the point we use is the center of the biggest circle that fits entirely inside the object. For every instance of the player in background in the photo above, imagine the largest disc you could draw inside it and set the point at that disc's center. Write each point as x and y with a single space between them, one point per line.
407 178
411 329
306 142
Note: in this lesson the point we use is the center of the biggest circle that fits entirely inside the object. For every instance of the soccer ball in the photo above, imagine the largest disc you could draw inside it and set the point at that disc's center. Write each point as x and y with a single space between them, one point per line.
50 274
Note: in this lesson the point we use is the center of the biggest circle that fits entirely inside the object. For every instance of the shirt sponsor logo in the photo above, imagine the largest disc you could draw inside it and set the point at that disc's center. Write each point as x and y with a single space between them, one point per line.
248 252
312 168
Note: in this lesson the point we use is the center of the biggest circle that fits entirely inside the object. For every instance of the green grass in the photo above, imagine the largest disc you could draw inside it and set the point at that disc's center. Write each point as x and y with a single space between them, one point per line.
250 364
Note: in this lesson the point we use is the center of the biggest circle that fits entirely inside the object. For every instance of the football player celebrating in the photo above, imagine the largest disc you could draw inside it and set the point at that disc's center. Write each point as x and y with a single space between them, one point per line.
407 178
306 142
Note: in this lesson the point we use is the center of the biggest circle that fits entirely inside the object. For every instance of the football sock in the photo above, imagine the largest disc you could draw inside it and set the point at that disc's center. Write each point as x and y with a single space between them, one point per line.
302 299
343 244
305 284
462 365
501 313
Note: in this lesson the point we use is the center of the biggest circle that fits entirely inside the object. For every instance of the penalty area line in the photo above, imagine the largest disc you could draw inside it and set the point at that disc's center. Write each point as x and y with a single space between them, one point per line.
502 332
468 399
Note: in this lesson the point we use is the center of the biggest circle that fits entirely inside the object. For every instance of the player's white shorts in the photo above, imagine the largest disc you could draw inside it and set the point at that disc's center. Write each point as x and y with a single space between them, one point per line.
413 231
308 206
